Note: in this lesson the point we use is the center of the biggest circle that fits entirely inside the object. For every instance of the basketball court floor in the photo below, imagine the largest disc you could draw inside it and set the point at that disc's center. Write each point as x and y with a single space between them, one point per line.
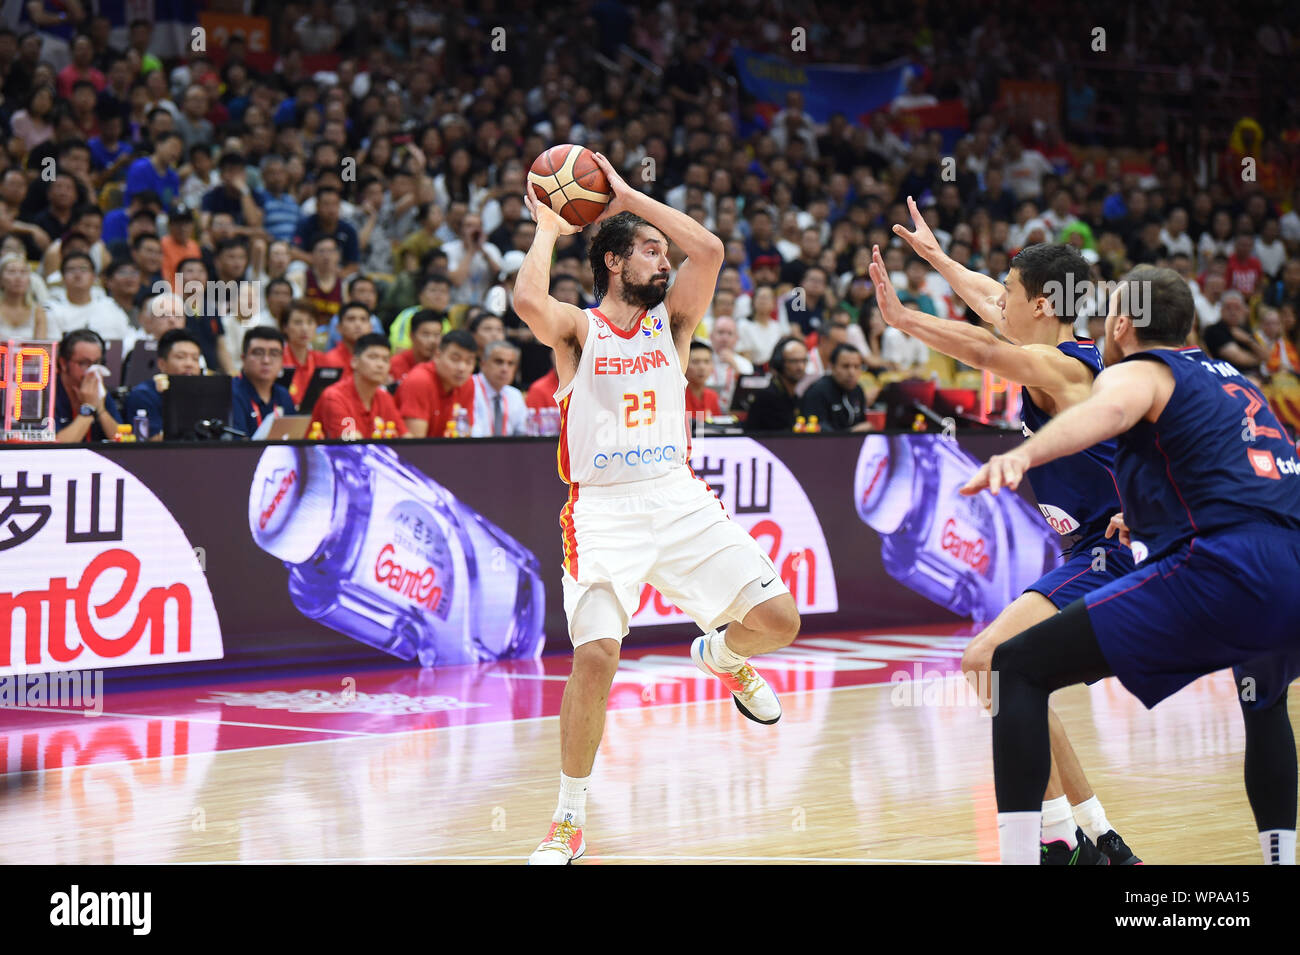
882 756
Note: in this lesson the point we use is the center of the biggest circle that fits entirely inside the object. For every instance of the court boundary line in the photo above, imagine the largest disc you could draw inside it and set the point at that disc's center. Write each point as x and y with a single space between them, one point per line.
861 860
401 733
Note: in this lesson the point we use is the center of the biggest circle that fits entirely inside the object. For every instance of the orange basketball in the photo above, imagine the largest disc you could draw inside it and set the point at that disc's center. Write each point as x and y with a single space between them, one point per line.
569 181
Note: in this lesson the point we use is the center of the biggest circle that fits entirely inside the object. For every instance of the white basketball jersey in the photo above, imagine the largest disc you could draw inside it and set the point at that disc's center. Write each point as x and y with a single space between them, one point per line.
623 416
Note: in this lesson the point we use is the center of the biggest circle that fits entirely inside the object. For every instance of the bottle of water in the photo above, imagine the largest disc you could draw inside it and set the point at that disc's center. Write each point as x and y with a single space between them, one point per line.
141 425
385 555
462 422
973 555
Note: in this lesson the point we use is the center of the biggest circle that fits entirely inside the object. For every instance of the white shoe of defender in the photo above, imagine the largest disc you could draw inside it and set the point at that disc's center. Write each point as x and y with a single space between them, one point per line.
754 697
562 845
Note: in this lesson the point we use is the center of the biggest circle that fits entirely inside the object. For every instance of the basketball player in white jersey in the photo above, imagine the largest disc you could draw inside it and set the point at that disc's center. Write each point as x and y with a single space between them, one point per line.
636 512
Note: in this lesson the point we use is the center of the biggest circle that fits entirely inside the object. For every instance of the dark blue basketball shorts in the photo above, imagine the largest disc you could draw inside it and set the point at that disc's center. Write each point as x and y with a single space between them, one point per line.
1228 599
1077 575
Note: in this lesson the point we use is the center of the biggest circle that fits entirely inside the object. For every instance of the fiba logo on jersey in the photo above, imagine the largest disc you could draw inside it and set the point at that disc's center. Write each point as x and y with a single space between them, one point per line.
652 326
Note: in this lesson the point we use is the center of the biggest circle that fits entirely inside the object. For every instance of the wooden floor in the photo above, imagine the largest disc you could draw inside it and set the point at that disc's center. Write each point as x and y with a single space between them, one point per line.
848 775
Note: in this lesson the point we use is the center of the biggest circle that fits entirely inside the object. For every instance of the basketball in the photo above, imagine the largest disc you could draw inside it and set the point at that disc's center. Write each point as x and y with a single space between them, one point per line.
567 179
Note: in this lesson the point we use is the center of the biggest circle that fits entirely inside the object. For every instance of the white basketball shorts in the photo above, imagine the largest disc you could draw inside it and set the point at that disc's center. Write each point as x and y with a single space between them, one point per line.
671 532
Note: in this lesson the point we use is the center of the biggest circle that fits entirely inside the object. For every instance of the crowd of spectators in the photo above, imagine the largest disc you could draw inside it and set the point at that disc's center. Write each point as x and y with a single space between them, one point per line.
356 202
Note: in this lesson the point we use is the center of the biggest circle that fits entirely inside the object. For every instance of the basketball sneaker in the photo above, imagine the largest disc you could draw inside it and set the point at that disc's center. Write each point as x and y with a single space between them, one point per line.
752 694
562 845
1083 853
1114 849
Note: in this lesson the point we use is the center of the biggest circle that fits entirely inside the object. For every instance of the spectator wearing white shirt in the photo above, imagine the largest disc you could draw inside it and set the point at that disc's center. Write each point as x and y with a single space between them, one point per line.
1174 235
902 351
759 334
1218 241
1269 248
81 309
1025 169
20 315
1208 300
499 409
1291 221
727 365
473 263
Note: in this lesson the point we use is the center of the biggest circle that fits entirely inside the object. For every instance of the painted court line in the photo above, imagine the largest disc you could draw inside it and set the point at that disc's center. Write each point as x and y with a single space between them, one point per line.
867 860
351 734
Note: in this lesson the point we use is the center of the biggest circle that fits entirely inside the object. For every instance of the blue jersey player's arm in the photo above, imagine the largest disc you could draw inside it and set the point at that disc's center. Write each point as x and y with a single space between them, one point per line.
1066 379
1123 395
978 291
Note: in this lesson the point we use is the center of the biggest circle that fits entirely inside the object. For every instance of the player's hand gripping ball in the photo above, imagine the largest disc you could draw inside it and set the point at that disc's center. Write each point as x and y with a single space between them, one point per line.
568 179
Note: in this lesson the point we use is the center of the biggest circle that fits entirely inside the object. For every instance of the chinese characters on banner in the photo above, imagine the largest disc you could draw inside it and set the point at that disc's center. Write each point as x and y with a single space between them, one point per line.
94 571
759 493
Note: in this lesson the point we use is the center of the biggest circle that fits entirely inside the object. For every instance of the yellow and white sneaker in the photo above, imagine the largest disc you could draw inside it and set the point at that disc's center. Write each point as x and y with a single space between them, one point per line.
754 697
562 845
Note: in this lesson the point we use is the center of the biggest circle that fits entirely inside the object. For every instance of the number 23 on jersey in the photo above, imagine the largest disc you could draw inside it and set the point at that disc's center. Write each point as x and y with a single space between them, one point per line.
638 407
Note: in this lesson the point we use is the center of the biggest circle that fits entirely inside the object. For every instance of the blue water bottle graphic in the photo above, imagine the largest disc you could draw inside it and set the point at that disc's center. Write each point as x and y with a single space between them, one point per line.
382 553
973 555
141 425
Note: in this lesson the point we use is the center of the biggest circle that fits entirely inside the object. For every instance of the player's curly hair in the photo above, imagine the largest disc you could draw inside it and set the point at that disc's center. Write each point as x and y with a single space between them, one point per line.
617 234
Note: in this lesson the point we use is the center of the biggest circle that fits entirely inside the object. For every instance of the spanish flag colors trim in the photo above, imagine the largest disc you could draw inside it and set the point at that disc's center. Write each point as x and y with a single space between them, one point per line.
568 535
562 449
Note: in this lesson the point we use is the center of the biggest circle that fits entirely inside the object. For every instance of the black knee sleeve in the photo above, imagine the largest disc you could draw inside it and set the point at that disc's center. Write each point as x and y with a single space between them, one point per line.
1270 766
1060 651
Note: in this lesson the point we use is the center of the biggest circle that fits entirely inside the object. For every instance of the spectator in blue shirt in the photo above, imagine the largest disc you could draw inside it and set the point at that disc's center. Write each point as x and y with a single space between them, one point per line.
117 221
326 222
306 96
109 153
157 172
178 354
280 209
255 394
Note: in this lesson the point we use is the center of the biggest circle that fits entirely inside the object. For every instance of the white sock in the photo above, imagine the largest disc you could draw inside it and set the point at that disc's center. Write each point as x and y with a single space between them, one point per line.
1278 846
722 654
1092 819
1058 824
1018 834
573 800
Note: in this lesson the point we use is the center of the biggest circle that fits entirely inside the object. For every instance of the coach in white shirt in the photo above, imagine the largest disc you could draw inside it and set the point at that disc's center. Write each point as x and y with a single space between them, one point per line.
499 408
81 309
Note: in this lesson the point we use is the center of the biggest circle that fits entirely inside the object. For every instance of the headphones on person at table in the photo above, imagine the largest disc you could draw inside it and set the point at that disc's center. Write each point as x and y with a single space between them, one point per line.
777 361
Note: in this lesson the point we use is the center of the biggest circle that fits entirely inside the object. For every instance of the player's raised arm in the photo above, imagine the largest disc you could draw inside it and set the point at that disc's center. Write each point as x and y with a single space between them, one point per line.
692 291
551 320
1121 397
977 290
1035 366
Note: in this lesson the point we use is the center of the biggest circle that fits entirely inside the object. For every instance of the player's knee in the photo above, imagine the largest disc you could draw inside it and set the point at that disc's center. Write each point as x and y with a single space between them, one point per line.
978 655
777 618
787 622
597 660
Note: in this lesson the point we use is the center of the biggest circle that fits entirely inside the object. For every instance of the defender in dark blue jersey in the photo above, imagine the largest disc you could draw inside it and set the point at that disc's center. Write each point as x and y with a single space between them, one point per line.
1077 496
1211 483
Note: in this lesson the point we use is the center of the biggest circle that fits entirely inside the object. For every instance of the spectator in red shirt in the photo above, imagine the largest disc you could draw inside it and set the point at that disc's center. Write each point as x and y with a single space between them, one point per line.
699 399
354 321
432 391
83 55
1244 270
357 406
426 333
541 393
299 327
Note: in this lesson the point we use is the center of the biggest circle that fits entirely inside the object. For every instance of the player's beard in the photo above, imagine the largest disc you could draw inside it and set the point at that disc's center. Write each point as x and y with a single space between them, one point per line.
643 296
